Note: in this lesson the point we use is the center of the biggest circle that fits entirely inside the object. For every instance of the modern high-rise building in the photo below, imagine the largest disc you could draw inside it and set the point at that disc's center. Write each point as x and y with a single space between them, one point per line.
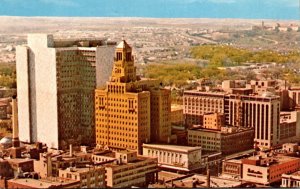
56 82
131 111
259 112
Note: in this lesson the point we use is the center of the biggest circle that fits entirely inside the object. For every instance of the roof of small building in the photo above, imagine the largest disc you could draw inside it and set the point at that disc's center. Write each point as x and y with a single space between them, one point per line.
33 183
276 159
172 147
6 140
19 160
175 107
123 45
202 182
234 161
42 183
295 175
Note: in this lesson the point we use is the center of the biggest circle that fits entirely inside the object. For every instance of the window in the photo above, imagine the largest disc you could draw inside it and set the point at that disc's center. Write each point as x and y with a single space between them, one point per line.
128 56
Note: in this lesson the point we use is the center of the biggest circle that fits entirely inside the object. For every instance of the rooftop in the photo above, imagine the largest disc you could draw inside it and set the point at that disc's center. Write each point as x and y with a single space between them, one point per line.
138 160
184 149
224 132
166 176
123 45
42 183
201 181
175 107
19 160
205 93
271 159
234 161
81 169
6 140
106 153
263 97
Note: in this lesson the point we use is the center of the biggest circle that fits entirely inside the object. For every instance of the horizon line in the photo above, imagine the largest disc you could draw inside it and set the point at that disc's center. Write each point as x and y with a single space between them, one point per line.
141 17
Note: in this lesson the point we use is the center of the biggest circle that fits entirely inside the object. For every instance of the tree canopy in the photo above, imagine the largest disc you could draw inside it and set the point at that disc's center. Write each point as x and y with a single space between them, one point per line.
224 55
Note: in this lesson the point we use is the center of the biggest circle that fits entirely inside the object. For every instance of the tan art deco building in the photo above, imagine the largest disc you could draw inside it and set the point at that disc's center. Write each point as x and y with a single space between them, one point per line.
131 111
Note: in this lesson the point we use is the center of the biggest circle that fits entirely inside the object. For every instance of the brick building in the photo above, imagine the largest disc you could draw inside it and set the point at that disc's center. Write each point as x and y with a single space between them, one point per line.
260 112
89 176
266 168
126 168
222 140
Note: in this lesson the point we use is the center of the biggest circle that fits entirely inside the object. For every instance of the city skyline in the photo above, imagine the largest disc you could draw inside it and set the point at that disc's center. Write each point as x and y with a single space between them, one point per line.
248 9
149 93
238 133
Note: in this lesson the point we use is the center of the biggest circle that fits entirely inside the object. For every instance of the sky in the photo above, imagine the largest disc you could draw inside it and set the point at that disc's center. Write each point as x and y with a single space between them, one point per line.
252 9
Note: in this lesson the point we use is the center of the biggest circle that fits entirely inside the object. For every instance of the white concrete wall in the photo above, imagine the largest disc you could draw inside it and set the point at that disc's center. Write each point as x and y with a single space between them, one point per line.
104 64
162 155
46 98
23 93
254 177
43 87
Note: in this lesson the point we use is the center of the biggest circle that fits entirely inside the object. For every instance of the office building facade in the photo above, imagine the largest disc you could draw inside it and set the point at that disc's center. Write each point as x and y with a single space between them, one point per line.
131 111
56 83
261 112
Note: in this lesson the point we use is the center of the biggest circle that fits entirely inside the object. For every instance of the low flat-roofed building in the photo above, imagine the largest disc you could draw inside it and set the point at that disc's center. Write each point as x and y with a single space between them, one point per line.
290 180
232 168
89 177
105 156
126 168
165 176
210 158
180 158
42 183
5 169
11 167
290 147
50 163
267 168
222 140
200 181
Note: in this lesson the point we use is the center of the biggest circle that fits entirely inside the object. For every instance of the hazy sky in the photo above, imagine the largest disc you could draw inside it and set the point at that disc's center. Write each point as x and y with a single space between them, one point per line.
274 9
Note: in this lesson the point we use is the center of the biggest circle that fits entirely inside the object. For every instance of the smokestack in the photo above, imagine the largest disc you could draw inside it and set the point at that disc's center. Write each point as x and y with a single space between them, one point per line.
71 150
208 178
15 139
